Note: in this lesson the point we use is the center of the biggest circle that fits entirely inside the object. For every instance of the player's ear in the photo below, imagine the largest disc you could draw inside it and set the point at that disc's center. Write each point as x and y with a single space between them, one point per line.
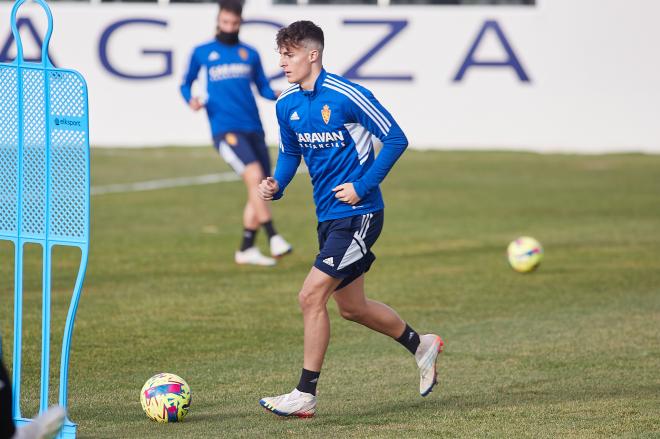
313 55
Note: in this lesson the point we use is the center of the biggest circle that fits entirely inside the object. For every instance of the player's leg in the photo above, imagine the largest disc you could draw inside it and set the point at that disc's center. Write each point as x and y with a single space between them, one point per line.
355 306
341 247
278 245
46 425
249 253
257 212
252 176
236 151
334 237
7 427
313 300
356 261
250 219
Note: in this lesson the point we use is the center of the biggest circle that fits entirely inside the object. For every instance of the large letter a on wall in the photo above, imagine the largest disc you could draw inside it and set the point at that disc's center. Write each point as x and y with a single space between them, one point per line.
511 61
32 33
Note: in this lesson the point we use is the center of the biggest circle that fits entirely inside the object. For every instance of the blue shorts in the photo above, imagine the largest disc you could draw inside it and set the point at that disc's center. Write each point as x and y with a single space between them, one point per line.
345 246
242 148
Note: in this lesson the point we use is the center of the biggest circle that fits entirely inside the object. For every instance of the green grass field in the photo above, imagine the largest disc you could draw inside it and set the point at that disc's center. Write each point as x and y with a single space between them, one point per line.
571 350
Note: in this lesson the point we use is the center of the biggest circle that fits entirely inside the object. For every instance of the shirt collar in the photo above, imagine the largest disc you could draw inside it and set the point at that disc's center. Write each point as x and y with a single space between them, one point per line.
317 84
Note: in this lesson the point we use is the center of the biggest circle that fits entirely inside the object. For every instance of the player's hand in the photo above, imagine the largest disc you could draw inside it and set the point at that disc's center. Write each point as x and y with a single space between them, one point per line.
196 104
346 193
268 188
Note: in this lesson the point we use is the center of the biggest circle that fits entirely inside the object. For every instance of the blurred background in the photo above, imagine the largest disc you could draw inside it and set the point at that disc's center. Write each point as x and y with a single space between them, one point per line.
544 75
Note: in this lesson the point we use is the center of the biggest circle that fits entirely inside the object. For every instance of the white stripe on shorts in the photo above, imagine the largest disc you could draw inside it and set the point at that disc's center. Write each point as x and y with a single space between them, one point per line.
227 153
358 248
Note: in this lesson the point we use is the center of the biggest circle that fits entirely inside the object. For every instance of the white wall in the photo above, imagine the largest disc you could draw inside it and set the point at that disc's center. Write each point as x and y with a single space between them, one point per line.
593 65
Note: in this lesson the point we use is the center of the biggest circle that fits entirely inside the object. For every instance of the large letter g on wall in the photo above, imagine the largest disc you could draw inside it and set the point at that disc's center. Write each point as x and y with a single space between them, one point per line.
166 55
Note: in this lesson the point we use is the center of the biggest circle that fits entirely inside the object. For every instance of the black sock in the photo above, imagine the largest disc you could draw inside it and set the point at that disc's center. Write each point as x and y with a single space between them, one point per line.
308 381
270 229
409 339
6 421
248 239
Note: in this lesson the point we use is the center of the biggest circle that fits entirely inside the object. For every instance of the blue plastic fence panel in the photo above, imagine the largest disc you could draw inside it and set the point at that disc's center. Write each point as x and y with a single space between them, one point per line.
44 188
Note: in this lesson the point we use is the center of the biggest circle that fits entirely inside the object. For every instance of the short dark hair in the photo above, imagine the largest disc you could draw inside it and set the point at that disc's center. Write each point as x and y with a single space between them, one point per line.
297 32
235 6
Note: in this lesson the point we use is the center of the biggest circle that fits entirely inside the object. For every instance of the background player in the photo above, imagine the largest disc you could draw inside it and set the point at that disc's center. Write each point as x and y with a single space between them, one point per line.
330 122
231 68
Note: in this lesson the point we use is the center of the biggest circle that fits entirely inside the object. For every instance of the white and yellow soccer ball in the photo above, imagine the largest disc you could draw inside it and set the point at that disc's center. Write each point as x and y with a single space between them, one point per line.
165 397
525 254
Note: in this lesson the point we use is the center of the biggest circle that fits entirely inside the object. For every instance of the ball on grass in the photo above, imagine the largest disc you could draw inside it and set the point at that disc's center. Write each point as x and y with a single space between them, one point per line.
165 397
525 254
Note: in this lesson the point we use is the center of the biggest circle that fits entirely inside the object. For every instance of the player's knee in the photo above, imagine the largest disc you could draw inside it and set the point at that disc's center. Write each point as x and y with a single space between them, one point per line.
253 175
309 299
353 314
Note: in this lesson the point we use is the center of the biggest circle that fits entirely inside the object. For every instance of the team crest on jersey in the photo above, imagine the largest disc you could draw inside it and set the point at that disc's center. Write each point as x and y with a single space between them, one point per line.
231 139
243 54
325 113
214 56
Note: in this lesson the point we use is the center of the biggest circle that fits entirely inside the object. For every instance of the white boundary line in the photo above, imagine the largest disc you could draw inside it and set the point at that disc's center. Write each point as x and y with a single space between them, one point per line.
168 183
153 185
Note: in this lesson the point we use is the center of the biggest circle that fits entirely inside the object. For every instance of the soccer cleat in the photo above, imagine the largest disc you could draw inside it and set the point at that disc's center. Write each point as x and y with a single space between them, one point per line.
279 247
430 346
44 426
296 403
253 256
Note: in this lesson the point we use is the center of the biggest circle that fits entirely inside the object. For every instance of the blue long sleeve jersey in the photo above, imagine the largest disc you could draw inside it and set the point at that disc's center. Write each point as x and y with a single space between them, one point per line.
332 126
230 71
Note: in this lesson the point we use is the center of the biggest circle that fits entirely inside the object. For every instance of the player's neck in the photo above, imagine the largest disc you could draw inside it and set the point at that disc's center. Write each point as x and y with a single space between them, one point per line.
309 82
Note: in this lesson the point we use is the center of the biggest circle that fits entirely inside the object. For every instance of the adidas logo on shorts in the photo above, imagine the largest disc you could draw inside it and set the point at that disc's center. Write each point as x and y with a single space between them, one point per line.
329 261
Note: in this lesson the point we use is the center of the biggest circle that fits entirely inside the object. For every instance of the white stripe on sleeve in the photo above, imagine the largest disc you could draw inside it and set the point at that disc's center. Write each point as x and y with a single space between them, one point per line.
362 139
368 112
360 96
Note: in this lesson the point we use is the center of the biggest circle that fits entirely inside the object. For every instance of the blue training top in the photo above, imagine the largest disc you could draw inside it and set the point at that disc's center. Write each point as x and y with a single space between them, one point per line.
332 128
230 71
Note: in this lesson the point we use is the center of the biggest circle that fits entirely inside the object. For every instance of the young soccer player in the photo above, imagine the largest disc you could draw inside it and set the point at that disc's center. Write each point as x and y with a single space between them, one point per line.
231 67
330 122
